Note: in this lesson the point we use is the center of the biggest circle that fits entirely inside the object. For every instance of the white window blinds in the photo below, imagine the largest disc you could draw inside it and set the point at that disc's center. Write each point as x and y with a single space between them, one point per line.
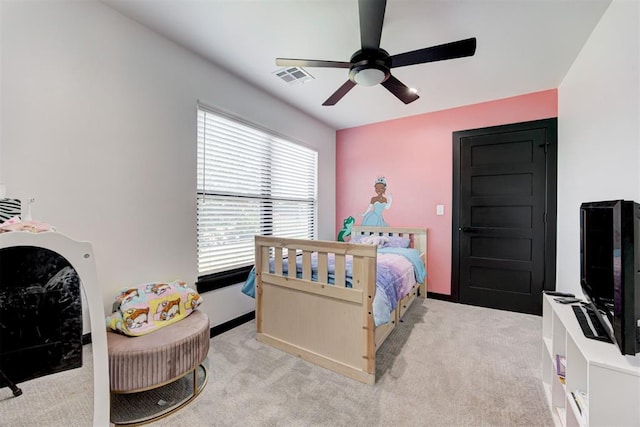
250 182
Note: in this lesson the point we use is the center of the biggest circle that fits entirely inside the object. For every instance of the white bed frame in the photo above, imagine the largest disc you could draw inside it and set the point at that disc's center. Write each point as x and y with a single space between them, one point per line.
80 256
329 325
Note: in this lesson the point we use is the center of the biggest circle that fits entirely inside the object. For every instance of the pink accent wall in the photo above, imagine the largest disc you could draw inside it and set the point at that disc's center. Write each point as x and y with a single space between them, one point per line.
415 154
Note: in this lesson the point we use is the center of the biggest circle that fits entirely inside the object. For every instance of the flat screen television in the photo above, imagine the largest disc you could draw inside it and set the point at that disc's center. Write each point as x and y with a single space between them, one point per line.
610 268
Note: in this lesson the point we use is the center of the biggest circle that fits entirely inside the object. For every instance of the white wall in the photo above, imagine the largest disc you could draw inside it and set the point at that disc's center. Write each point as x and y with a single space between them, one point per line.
99 125
2 186
598 129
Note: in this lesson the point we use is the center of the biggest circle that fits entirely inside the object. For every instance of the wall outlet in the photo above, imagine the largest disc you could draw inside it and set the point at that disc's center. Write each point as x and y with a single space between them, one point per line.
440 210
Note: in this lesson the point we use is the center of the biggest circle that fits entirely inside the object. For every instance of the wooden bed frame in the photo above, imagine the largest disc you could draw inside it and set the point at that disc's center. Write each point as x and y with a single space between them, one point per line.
329 325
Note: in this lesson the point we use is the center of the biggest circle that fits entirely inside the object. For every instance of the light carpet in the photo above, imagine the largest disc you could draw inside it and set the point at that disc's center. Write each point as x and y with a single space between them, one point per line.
446 364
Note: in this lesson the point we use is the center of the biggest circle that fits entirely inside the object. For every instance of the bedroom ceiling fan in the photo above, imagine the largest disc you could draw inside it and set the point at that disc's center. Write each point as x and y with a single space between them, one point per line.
372 65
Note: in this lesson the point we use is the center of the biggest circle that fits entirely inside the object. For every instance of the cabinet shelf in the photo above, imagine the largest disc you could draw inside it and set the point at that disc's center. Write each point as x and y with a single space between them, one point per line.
610 380
579 417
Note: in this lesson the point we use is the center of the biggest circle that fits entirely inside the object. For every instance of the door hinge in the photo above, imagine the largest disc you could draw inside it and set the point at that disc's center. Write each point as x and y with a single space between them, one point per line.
544 217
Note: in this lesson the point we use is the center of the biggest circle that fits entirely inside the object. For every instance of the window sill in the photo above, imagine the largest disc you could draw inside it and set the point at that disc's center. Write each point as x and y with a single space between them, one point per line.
221 280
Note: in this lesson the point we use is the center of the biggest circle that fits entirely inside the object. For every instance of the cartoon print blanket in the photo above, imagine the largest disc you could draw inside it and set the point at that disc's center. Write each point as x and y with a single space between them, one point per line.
148 307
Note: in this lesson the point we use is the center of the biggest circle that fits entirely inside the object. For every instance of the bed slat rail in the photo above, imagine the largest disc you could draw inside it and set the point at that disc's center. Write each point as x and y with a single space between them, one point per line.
292 312
417 236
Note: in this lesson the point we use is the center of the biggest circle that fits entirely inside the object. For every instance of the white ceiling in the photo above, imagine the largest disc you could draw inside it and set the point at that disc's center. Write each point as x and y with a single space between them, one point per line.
523 46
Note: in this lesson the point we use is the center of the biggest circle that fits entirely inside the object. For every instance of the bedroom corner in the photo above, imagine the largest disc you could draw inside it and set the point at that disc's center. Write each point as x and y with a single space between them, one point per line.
415 154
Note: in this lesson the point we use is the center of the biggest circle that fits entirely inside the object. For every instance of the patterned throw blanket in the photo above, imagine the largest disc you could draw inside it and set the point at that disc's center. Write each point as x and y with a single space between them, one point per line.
397 270
143 309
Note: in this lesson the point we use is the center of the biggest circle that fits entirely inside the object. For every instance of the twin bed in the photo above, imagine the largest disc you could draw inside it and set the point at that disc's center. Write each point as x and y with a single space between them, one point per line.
342 300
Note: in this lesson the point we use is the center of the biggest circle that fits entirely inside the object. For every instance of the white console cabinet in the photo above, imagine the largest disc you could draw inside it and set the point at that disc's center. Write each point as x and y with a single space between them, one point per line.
609 381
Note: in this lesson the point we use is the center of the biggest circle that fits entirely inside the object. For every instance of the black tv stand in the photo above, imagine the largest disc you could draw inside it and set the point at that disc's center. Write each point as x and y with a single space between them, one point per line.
590 324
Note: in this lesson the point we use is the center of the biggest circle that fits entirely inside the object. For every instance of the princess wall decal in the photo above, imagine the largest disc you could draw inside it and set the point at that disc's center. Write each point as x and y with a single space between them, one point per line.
378 204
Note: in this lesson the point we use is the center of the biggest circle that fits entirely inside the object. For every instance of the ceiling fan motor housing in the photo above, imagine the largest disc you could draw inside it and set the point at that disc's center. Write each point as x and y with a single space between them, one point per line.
370 67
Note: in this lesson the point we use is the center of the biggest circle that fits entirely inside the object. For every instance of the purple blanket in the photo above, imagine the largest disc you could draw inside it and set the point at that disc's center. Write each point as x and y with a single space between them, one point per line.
397 271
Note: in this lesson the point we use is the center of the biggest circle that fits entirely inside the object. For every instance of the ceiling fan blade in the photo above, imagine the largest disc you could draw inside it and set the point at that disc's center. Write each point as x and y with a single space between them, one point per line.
458 49
337 95
371 18
402 92
290 62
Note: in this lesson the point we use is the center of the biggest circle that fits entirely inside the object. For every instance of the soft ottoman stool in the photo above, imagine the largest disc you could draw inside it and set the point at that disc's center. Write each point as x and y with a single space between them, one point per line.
141 363
171 347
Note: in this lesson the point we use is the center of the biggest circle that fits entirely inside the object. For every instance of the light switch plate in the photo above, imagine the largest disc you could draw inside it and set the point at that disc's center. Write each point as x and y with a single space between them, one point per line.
440 210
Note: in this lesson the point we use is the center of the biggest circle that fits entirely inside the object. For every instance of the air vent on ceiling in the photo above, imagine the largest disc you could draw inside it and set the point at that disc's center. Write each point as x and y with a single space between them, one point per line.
293 75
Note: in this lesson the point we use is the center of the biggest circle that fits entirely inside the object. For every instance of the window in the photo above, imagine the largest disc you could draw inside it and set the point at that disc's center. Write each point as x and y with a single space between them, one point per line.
250 182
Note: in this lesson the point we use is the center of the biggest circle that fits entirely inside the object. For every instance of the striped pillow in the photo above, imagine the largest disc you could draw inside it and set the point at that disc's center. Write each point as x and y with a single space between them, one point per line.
9 208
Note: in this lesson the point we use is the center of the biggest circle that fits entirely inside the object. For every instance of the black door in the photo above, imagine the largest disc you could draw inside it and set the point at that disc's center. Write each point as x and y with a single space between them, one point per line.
504 215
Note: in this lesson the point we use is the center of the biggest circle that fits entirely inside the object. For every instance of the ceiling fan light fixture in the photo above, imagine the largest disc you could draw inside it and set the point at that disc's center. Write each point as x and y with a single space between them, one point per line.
369 77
